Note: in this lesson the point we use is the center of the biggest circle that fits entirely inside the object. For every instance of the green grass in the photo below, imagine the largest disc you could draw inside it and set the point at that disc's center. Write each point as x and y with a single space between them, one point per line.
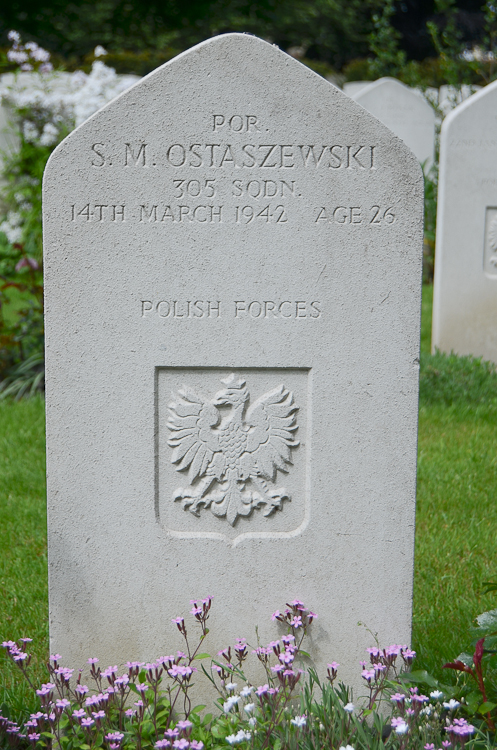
456 514
23 558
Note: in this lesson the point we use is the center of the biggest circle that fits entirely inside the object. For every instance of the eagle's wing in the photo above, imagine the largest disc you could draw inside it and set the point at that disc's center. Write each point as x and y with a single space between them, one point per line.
191 420
272 420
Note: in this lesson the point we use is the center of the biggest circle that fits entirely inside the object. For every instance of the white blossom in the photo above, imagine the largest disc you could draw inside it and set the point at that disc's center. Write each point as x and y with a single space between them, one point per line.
50 135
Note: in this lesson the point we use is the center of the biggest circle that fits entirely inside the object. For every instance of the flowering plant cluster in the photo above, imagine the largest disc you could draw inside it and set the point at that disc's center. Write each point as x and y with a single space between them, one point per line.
148 705
43 106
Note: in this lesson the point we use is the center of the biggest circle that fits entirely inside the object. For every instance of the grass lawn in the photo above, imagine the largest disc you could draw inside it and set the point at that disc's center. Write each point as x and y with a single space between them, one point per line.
456 515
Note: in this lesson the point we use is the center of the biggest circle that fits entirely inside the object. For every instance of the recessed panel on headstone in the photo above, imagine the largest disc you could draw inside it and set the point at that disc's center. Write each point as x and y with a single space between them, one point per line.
405 111
465 287
233 269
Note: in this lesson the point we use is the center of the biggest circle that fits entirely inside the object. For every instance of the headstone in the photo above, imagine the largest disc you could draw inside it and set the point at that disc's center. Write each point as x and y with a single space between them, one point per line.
465 287
353 87
405 111
233 266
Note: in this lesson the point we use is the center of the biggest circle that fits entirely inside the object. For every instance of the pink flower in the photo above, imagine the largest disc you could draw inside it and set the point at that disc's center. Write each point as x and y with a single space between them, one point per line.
368 674
298 604
296 622
275 615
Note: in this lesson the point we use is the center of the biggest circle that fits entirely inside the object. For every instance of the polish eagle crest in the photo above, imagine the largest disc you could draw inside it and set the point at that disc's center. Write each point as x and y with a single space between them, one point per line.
492 236
232 458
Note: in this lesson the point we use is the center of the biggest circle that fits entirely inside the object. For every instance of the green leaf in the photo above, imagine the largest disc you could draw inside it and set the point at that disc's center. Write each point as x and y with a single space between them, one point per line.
420 676
217 731
197 709
304 653
488 620
207 719
203 656
486 707
473 702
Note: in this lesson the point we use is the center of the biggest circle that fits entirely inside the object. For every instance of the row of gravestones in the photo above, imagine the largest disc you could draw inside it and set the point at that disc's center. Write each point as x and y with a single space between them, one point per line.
233 254
465 287
404 110
466 260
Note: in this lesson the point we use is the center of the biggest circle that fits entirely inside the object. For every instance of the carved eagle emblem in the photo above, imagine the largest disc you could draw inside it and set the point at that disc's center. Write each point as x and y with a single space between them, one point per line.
232 461
492 236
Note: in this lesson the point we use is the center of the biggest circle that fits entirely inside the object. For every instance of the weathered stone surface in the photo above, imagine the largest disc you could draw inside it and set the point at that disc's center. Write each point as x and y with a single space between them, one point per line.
232 217
405 111
465 288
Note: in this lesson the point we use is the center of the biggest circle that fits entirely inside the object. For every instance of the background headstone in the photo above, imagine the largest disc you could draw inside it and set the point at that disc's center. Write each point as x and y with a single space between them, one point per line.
465 286
405 111
232 230
353 87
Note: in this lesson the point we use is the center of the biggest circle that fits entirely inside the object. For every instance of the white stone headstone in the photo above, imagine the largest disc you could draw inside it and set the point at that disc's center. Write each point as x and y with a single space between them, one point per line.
353 87
231 232
465 287
405 111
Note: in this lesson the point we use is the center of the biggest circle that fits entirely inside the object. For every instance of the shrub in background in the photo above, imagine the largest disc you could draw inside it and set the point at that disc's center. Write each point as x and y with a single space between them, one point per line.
44 106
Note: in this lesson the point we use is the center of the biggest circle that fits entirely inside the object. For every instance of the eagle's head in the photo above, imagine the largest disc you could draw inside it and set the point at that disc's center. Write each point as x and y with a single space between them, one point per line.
235 393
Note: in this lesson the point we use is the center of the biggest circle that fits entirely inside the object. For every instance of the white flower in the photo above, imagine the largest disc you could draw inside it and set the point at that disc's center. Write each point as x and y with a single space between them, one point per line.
230 703
37 53
451 705
240 736
299 721
99 51
252 721
246 691
30 131
349 707
426 711
13 234
50 135
249 708
346 747
17 56
401 728
14 36
436 694
231 686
